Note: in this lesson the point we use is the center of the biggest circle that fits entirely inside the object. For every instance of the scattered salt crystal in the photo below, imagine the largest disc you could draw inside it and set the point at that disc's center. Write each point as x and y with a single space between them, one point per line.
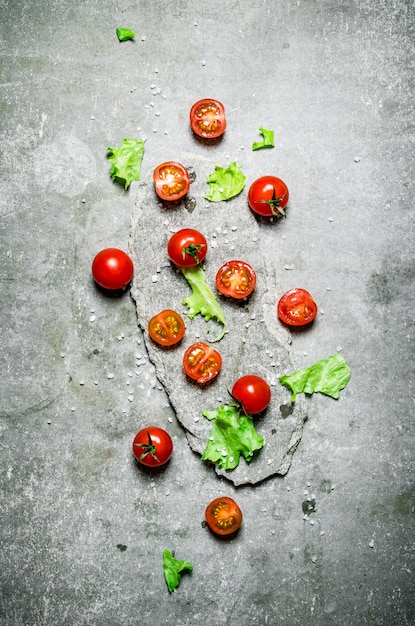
170 419
130 398
95 382
72 408
82 383
331 219
110 375
92 117
92 318
371 544
196 419
154 278
231 459
339 348
203 62
357 159
62 355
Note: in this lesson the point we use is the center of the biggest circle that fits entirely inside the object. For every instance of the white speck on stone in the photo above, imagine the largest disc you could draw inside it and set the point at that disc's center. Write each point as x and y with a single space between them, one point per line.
269 461
287 267
83 200
154 278
157 113
322 533
242 148
314 558
110 375
92 117
356 159
214 244
170 420
95 382
156 71
130 398
371 544
339 348
92 318
196 419
248 324
331 219
72 408
143 37
243 340
154 130
82 383
312 522
328 288
203 62
62 355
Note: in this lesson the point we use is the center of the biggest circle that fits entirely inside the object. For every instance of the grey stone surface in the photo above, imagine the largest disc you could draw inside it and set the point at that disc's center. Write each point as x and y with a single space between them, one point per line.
335 81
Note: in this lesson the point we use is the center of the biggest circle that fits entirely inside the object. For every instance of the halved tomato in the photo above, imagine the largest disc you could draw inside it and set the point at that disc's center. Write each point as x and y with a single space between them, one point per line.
171 180
297 307
236 279
223 516
268 196
166 328
207 118
201 362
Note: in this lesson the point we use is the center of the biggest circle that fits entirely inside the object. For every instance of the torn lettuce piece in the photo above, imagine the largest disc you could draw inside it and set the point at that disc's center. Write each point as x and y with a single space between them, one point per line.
328 376
172 568
268 139
126 161
124 34
232 434
225 182
202 299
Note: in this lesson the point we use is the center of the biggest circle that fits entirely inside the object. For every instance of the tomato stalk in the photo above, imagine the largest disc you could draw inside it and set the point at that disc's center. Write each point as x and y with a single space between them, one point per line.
148 448
274 203
192 250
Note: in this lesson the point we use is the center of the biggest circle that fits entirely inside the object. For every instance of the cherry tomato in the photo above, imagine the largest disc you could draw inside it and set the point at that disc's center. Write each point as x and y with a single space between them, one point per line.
187 247
152 446
236 279
166 328
253 393
201 362
171 180
112 269
207 118
296 307
223 516
268 196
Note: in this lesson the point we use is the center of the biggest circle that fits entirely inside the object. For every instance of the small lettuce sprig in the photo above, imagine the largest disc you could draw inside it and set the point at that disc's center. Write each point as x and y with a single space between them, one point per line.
126 161
225 182
267 141
328 376
202 300
172 569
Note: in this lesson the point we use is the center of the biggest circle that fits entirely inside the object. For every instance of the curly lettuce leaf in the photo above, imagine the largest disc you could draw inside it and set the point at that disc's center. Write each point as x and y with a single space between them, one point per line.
225 182
126 160
202 299
124 34
267 141
232 434
328 376
172 568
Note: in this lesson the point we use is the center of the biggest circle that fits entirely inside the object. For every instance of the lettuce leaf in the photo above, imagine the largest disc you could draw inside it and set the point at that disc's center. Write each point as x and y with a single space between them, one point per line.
126 160
124 34
202 299
268 139
328 376
172 568
232 434
225 183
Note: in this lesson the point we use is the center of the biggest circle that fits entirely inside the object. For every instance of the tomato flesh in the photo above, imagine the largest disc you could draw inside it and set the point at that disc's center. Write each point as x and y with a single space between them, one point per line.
166 328
207 118
268 196
223 516
171 180
152 446
253 393
297 307
187 247
201 362
112 269
236 279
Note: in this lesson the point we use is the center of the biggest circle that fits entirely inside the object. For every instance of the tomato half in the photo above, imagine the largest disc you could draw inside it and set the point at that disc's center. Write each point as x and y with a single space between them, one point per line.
236 279
207 118
112 269
223 516
268 196
202 362
152 446
187 247
171 180
253 393
166 328
297 307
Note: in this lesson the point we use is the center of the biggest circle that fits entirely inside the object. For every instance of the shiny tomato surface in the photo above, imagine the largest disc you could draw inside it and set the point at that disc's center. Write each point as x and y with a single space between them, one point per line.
171 180
253 393
268 196
297 307
187 247
236 279
223 516
166 328
112 269
201 362
207 118
152 446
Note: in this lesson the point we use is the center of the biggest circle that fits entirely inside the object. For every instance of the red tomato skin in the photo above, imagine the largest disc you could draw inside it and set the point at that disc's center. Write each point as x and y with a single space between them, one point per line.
112 269
171 180
201 362
296 307
223 516
207 118
262 191
183 239
227 279
162 442
253 392
166 328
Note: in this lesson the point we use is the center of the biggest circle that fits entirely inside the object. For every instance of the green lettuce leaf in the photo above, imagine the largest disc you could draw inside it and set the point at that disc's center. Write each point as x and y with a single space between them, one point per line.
126 160
225 183
232 434
124 34
172 568
202 299
268 139
328 376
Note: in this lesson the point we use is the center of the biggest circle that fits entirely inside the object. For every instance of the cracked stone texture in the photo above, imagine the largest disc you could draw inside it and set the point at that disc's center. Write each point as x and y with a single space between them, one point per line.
255 341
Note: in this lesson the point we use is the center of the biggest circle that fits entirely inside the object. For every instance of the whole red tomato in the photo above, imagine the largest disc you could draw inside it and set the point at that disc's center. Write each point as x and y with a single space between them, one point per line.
187 247
253 393
112 269
152 446
268 196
